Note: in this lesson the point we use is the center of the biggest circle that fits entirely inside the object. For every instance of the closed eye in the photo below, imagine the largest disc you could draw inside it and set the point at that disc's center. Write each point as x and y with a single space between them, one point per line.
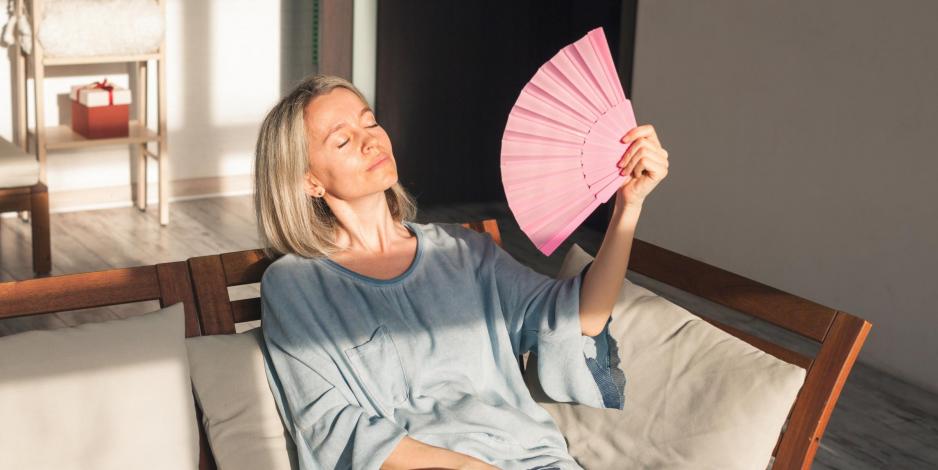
346 140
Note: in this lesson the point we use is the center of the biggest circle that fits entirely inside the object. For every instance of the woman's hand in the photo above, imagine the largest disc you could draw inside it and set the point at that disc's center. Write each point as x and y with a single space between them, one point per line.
644 162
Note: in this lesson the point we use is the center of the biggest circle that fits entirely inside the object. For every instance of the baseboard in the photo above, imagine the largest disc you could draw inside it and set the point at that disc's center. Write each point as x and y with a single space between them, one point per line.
121 196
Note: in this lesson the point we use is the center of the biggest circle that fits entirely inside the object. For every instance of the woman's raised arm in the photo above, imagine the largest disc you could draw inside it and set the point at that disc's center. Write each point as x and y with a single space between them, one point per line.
647 164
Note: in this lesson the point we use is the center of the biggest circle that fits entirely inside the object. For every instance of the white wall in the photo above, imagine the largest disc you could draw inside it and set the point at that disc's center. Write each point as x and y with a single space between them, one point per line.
365 47
223 75
801 136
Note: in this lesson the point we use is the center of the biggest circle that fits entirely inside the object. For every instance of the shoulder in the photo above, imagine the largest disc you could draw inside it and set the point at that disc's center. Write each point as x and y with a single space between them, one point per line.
453 233
456 245
285 270
291 284
285 264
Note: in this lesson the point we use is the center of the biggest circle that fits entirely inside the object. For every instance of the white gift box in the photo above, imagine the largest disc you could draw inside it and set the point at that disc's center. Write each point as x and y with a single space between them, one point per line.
97 94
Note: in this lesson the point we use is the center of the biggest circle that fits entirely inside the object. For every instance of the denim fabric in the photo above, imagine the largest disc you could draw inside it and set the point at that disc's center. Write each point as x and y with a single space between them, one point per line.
604 364
605 369
358 363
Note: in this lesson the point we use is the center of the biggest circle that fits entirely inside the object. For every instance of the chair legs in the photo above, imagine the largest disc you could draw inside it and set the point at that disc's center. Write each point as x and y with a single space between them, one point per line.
39 216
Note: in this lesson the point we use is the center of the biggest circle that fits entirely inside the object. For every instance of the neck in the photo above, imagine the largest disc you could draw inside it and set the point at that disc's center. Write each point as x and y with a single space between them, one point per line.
366 225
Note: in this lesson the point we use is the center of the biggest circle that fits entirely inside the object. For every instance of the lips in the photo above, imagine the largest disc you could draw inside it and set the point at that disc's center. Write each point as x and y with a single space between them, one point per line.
381 158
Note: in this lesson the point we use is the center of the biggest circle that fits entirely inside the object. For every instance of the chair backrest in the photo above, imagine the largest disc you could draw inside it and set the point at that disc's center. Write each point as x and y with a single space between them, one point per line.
212 276
168 283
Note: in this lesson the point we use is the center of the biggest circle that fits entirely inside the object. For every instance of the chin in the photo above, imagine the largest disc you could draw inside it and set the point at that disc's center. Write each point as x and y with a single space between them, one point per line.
391 183
391 177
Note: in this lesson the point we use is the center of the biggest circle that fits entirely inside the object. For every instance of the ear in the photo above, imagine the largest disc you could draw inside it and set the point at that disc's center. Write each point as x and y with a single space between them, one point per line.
311 185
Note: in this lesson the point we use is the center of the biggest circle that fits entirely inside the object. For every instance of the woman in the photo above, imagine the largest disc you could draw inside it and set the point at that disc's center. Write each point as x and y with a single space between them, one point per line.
393 344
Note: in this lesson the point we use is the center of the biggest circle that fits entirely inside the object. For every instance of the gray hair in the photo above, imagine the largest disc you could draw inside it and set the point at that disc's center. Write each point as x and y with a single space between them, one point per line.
289 220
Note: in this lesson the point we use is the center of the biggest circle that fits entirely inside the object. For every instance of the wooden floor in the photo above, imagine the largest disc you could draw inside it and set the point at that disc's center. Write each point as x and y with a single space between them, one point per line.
880 421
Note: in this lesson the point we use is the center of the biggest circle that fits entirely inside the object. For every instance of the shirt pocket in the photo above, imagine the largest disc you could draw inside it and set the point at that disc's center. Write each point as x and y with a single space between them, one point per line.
378 366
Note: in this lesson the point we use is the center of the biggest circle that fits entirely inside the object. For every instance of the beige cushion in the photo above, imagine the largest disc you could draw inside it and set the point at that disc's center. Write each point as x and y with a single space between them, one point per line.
108 395
238 410
17 168
695 396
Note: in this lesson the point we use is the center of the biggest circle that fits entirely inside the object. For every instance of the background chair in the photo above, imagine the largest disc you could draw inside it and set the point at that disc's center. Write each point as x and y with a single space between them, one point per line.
21 190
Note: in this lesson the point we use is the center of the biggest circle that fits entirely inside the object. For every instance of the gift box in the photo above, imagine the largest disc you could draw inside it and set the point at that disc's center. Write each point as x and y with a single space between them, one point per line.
100 110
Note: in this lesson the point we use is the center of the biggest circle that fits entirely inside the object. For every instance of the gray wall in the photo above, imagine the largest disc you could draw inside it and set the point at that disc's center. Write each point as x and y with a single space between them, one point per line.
801 140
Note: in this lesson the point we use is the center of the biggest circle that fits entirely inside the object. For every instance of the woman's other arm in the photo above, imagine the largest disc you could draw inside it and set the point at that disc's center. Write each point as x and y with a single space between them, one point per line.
413 454
647 164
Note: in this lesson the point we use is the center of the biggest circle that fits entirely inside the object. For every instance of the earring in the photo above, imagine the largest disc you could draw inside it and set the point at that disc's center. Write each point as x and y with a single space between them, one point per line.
320 192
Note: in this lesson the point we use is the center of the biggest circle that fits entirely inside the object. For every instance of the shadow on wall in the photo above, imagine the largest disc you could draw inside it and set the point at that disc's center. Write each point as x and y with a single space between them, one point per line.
298 29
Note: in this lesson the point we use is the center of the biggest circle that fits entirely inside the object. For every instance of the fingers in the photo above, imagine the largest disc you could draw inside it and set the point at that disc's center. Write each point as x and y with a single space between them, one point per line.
639 149
646 155
643 154
630 152
634 147
656 168
647 131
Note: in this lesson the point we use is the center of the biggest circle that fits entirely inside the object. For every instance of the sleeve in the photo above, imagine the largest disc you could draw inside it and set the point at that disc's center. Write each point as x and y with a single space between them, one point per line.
543 316
329 432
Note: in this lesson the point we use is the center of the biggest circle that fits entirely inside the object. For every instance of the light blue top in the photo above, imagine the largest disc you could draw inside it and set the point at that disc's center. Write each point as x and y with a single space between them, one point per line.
358 363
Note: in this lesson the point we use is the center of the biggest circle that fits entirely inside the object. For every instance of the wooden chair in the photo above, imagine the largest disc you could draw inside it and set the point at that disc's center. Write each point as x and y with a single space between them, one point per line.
21 190
168 283
839 334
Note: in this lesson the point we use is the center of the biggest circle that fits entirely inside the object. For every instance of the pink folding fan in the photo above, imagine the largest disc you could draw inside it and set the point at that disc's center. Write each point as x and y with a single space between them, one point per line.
561 144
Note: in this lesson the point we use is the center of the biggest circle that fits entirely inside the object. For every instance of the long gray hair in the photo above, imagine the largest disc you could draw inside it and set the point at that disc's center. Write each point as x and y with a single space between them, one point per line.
289 220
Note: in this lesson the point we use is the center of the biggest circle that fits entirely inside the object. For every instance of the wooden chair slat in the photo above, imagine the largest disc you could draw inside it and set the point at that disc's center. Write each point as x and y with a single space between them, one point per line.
244 267
40 226
780 308
14 199
489 226
12 192
211 295
246 309
35 200
78 291
823 384
767 346
176 286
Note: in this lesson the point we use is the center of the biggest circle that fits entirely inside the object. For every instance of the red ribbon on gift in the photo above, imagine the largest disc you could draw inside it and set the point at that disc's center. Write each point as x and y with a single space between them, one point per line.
104 85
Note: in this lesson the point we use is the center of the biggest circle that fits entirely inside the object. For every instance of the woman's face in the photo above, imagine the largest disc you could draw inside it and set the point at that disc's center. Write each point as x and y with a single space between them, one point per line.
349 153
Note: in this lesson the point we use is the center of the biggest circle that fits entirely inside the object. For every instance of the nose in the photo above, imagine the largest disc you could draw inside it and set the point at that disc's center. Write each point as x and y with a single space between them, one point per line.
370 142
